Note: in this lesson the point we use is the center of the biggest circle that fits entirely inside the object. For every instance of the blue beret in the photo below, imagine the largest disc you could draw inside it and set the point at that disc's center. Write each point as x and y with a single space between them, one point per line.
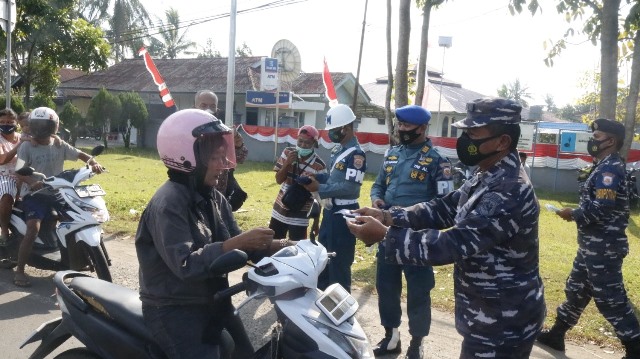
482 112
414 114
609 126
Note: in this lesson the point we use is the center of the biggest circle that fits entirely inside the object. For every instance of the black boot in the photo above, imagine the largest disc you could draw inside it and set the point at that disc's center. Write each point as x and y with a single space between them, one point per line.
554 337
415 349
632 349
390 344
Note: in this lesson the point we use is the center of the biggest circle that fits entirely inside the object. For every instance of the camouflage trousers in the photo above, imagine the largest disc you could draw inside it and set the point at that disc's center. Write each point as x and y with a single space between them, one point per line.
474 349
599 276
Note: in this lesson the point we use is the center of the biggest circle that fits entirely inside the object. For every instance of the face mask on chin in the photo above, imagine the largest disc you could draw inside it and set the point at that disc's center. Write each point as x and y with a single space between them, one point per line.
593 146
468 149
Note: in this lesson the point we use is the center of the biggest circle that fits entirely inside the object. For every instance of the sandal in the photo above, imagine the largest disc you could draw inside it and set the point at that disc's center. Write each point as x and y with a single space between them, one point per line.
21 280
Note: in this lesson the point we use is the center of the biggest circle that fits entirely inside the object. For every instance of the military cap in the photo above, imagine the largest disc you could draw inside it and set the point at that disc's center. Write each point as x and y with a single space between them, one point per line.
414 114
609 126
484 111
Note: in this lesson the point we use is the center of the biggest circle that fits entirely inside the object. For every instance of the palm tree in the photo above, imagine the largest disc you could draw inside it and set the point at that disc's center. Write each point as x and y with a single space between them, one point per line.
127 22
516 91
172 43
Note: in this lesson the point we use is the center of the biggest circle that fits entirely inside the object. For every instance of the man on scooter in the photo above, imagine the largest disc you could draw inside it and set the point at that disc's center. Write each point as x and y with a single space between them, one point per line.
186 225
48 159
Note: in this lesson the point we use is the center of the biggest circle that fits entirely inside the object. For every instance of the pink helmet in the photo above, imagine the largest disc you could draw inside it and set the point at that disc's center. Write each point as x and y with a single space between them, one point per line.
193 138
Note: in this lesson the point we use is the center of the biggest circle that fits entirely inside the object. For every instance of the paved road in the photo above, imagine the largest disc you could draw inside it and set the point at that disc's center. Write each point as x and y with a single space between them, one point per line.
23 310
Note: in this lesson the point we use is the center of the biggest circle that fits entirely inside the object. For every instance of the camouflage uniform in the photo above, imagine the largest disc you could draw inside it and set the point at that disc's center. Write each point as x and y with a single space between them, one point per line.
491 237
602 217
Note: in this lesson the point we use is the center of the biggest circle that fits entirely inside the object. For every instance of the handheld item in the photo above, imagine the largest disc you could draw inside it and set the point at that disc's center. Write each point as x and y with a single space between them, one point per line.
551 207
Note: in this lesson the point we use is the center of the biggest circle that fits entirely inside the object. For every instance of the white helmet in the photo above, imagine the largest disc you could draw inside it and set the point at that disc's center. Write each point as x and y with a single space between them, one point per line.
43 122
339 116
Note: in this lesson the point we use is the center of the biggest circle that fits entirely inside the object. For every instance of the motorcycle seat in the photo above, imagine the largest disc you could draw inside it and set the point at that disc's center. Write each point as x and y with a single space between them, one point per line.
119 304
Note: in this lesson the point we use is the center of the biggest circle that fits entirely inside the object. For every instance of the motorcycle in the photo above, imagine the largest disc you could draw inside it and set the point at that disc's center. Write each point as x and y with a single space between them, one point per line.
311 323
72 237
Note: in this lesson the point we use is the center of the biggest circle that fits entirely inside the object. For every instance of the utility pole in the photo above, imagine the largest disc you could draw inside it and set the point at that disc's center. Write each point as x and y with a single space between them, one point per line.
231 66
355 90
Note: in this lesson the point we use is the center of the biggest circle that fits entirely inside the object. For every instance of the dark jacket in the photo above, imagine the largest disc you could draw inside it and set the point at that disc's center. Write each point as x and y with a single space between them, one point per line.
179 235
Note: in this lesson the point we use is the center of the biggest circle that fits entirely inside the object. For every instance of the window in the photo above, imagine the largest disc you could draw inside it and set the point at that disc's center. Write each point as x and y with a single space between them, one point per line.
381 121
445 127
454 130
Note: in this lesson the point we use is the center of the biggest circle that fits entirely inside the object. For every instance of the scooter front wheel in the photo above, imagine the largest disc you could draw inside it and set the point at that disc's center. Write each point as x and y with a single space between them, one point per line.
77 353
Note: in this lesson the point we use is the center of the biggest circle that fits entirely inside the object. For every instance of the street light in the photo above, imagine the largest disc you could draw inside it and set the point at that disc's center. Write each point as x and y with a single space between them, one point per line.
445 43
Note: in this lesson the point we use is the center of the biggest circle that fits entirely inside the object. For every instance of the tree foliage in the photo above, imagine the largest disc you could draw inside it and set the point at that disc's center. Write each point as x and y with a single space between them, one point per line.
171 42
48 35
209 51
104 109
126 23
42 100
71 118
244 50
134 114
516 91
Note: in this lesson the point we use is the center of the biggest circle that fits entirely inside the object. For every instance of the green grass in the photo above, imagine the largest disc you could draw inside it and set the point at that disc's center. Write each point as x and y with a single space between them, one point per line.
135 174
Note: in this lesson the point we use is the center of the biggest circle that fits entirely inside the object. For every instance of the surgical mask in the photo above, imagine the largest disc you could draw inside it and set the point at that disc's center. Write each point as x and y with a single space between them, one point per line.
304 152
468 150
593 146
336 135
7 129
407 137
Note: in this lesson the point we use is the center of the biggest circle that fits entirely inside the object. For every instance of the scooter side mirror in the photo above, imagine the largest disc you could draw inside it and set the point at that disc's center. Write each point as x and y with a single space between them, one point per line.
25 171
228 262
97 150
314 211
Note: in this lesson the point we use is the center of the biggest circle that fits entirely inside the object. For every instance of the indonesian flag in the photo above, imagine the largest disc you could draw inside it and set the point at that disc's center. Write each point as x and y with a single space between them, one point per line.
157 79
328 85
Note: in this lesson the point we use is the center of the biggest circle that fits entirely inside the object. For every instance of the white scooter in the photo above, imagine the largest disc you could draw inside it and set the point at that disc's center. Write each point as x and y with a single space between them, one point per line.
311 323
72 238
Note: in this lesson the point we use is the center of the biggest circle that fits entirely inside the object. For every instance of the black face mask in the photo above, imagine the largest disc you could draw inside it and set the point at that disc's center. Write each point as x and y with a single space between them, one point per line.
407 137
468 150
593 146
336 135
7 129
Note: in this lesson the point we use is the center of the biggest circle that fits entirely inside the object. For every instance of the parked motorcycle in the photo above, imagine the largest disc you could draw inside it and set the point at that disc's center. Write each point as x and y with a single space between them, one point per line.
72 237
311 323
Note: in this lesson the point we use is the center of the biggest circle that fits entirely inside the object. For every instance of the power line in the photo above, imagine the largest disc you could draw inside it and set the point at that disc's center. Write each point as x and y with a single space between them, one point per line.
187 23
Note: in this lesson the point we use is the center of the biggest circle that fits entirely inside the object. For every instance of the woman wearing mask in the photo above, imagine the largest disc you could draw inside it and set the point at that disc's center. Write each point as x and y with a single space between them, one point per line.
9 142
293 163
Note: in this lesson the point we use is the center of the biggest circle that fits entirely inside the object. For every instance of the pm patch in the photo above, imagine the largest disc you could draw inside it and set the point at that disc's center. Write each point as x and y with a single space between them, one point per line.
489 204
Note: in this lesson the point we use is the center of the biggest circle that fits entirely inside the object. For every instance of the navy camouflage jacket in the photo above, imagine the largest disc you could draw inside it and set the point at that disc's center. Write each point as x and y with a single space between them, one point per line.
603 213
491 237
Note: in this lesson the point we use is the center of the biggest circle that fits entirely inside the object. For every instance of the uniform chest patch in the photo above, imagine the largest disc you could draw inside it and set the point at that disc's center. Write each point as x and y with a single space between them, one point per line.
607 178
358 161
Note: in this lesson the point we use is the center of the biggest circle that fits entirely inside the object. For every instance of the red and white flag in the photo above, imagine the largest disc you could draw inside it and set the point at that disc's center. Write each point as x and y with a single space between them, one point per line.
328 85
157 79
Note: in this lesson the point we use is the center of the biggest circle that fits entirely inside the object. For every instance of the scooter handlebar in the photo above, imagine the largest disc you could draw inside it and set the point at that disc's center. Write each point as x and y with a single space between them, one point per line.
233 290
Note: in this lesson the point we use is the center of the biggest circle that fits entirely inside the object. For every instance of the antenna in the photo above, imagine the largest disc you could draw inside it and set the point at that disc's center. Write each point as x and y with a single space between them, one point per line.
289 62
